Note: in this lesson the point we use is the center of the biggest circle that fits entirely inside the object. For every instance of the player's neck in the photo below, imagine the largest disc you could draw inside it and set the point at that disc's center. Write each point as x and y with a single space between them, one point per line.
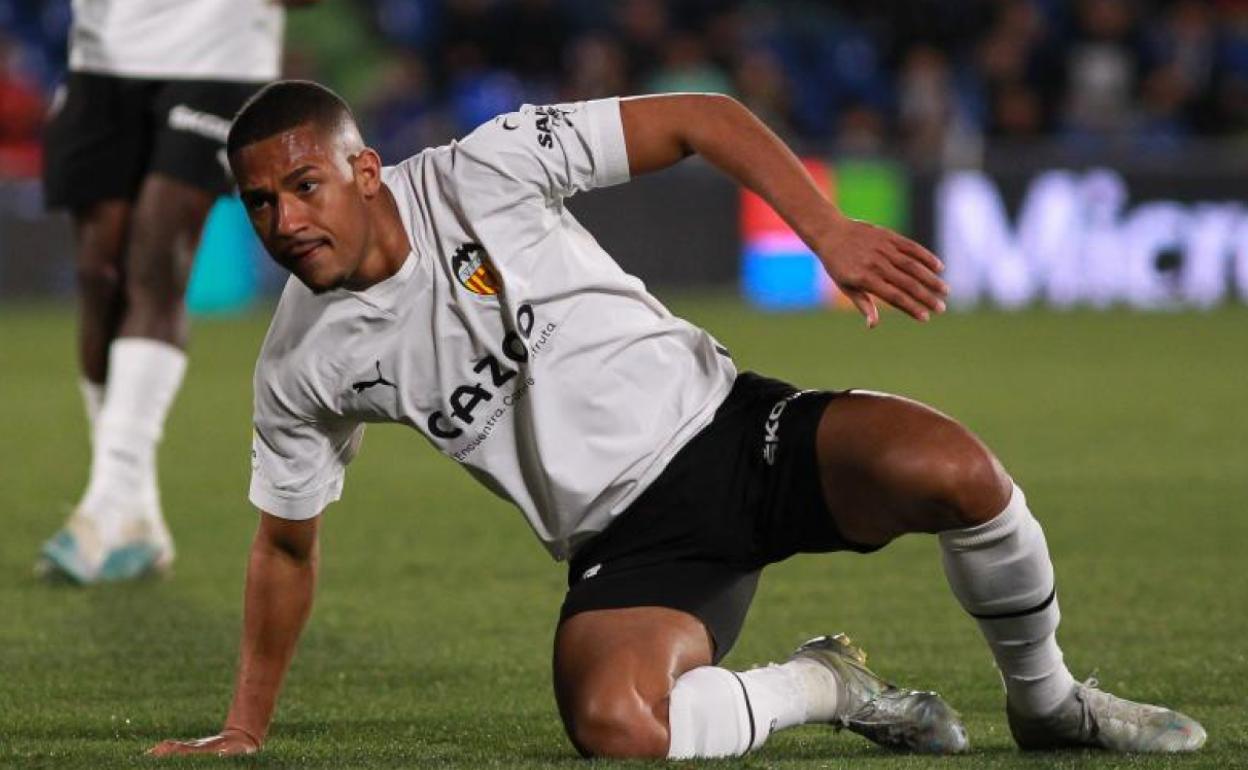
389 249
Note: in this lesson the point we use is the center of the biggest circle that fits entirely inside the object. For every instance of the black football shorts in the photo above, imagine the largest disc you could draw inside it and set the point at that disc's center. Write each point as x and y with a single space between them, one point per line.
106 133
744 493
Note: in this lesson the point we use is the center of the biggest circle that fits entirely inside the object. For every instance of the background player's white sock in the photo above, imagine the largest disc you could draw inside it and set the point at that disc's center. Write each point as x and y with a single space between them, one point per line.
143 378
92 400
1001 573
714 712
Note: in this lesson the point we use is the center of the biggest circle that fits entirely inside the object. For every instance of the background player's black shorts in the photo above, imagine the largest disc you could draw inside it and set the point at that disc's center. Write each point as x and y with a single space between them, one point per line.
744 493
106 133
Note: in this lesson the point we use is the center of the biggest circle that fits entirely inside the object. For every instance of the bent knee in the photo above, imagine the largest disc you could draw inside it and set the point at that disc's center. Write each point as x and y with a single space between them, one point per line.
968 482
617 726
941 477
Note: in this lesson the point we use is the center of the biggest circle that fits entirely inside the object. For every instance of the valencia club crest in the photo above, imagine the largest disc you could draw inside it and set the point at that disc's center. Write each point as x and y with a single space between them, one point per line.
472 268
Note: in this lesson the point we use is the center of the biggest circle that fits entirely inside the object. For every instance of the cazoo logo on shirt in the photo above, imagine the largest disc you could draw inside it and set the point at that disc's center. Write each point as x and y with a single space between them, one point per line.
467 401
472 268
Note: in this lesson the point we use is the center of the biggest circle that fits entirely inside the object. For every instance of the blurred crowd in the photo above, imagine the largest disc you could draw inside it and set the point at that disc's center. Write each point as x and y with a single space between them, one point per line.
928 80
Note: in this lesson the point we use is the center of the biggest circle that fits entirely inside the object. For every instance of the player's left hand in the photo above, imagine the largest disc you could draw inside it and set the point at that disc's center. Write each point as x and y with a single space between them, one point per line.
867 261
227 743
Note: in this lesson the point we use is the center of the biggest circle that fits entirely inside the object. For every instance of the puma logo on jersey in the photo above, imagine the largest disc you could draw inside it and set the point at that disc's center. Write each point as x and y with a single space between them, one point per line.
471 266
363 385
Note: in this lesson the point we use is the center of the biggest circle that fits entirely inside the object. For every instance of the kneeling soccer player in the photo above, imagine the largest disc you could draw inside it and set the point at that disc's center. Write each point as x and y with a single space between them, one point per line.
454 293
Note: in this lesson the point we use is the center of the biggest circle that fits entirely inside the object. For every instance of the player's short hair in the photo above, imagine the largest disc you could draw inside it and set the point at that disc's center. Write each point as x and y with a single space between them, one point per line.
282 106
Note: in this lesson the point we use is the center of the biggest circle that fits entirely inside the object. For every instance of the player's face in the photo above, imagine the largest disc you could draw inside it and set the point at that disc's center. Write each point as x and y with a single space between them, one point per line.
302 196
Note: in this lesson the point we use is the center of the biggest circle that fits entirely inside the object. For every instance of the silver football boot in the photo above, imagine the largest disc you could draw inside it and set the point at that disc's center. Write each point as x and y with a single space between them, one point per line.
882 712
1092 717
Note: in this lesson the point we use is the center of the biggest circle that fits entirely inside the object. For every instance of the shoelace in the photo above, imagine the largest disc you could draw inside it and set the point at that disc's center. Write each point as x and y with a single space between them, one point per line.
1112 706
1088 724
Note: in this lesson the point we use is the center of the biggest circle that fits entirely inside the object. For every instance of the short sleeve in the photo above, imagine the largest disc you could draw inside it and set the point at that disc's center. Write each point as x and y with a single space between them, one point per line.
297 464
554 150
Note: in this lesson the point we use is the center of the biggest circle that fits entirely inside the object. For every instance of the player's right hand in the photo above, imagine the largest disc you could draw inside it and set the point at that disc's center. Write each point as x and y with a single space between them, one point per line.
866 261
227 743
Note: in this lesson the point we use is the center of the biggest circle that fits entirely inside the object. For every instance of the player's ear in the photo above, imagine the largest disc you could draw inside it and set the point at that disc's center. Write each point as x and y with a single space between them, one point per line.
366 168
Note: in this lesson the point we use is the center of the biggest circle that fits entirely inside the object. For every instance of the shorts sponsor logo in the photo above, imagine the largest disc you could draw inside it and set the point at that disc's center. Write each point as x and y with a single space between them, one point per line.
771 428
473 270
205 124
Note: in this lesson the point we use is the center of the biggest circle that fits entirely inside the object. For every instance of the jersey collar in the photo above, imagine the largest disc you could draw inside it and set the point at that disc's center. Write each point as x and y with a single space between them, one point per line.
384 295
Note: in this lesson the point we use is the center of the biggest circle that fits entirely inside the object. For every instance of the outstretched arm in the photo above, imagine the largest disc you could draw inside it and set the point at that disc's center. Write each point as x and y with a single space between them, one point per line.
862 259
281 578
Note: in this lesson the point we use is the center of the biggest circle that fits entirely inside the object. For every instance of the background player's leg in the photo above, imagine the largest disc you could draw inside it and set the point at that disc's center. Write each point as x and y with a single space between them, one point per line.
100 230
891 466
168 218
145 366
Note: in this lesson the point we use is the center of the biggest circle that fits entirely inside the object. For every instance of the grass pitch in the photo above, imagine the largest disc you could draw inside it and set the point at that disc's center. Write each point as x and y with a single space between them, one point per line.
430 641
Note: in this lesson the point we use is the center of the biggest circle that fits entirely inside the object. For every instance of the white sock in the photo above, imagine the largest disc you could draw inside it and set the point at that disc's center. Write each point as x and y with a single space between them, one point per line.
714 712
92 400
710 715
143 378
1001 573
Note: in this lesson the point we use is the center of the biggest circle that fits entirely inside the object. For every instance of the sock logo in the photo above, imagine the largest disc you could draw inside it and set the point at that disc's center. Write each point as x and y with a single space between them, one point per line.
363 385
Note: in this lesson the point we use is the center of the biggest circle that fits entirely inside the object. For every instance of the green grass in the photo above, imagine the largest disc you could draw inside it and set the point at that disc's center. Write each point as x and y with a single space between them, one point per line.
430 641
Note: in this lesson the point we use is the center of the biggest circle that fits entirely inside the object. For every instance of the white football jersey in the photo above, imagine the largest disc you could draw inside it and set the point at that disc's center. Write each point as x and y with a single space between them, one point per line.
509 338
231 40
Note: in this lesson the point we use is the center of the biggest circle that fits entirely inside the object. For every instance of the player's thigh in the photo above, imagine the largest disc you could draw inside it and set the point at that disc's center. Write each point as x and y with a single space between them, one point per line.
889 465
165 227
614 670
97 142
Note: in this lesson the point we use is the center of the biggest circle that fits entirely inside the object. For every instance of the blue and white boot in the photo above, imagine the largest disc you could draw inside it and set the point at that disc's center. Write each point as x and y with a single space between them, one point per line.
77 553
